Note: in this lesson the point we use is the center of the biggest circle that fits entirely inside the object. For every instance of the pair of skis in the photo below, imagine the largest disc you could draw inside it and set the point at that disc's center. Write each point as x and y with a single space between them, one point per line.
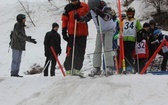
61 68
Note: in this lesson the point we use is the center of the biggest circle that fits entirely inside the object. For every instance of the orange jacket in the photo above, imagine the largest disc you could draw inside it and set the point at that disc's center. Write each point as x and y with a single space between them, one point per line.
68 18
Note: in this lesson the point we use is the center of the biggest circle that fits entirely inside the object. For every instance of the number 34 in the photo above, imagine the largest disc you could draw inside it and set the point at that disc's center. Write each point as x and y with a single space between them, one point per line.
129 25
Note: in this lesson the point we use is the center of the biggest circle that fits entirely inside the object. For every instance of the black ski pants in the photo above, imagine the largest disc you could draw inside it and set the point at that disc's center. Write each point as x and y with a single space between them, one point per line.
141 64
129 47
164 61
53 64
80 46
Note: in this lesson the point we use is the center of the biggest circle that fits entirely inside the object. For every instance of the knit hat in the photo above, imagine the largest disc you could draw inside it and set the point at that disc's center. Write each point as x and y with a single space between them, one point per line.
152 22
146 25
20 17
55 25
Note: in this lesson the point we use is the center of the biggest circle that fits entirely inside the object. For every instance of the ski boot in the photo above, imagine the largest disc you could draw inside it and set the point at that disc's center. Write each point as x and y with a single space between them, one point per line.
129 70
95 71
78 73
68 73
110 71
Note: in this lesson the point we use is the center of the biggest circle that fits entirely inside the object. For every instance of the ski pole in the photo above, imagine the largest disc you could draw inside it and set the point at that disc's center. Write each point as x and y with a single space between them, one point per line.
8 48
112 52
73 50
45 67
102 41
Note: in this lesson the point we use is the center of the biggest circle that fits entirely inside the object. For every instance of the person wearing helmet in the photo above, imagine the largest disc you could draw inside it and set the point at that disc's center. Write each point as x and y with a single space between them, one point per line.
130 26
159 37
102 17
18 43
123 16
73 11
152 46
114 36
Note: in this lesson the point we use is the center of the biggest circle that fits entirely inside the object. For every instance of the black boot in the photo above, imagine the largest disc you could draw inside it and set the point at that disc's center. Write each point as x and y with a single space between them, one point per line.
16 75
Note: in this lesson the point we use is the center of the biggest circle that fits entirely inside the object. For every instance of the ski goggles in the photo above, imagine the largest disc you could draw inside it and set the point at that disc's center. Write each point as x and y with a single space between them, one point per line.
123 16
130 13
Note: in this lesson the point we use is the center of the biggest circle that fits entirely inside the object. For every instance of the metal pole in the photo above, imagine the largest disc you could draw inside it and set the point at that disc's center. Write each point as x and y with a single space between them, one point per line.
73 50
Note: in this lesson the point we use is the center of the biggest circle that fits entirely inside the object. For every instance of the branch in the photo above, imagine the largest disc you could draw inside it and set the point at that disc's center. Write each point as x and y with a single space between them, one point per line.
26 12
53 4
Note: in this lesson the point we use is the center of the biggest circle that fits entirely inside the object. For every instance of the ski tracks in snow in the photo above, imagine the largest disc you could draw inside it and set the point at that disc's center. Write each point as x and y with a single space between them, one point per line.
76 91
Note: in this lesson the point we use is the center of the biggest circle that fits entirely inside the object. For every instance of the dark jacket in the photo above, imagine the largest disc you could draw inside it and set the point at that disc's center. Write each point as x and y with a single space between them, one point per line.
106 11
52 38
151 39
160 38
142 34
19 37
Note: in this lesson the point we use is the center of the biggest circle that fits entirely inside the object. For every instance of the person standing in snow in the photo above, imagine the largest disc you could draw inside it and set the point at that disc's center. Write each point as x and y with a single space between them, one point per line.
141 53
102 18
72 12
18 44
152 46
115 36
131 26
52 38
117 29
123 16
159 37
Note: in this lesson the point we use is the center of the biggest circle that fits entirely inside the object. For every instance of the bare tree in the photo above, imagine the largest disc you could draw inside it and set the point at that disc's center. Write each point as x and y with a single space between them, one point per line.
157 4
53 4
161 12
127 2
27 11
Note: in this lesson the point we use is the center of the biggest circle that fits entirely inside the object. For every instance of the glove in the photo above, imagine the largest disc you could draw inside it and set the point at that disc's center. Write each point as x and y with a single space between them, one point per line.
28 38
33 41
59 52
156 41
115 37
64 34
48 53
77 17
99 12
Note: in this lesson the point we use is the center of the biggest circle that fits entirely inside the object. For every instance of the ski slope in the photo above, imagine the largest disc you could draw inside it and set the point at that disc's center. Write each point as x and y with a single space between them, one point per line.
38 90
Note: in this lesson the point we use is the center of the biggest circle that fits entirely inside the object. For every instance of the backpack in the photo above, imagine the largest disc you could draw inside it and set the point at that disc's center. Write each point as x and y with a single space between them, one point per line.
11 34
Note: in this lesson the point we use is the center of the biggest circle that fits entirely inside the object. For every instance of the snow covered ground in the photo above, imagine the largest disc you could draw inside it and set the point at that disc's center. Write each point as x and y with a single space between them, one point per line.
59 90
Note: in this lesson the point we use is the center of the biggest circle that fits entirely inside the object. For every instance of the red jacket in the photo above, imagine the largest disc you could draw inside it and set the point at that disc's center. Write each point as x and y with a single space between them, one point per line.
69 21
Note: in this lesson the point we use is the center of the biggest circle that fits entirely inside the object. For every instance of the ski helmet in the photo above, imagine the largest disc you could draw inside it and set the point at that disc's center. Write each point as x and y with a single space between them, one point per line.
157 32
123 16
93 3
20 17
130 9
113 12
130 12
